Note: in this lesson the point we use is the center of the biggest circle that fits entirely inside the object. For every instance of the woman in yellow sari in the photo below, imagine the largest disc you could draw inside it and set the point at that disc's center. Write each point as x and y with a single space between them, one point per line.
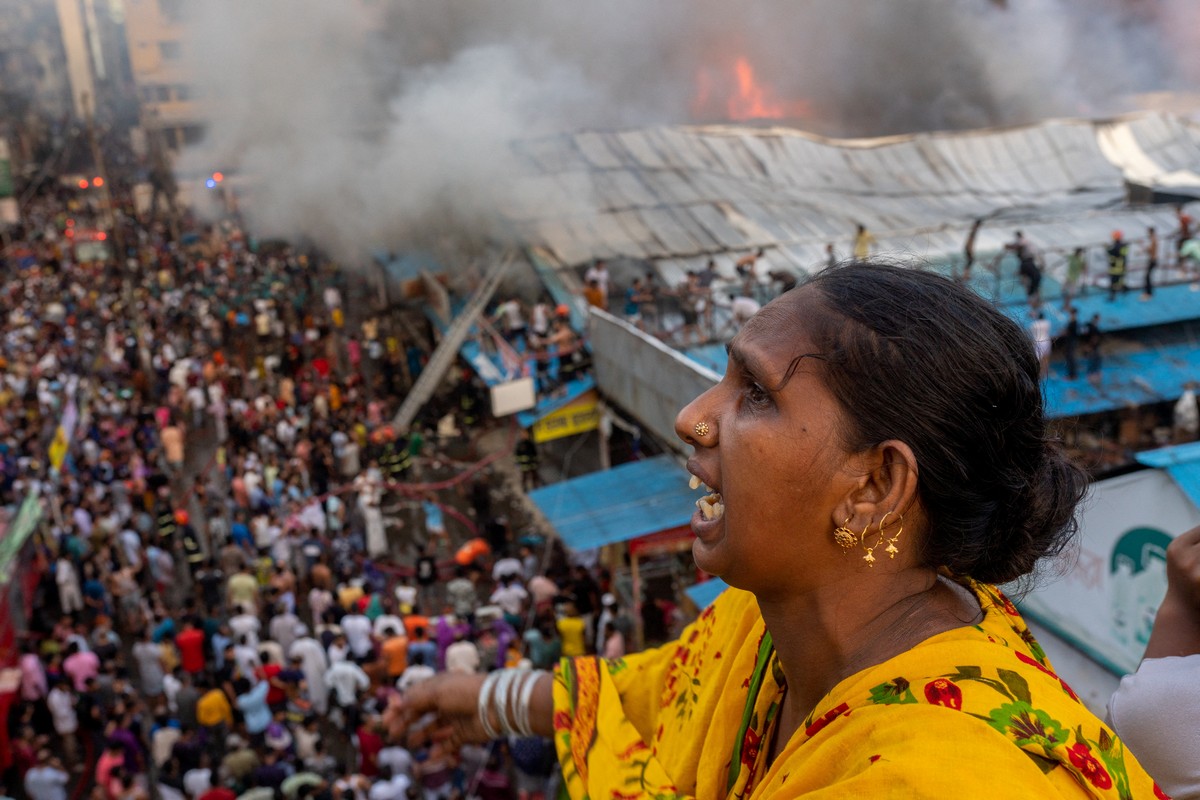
877 459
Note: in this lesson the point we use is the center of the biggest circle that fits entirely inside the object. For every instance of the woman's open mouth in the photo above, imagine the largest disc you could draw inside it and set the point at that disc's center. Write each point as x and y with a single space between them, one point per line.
711 507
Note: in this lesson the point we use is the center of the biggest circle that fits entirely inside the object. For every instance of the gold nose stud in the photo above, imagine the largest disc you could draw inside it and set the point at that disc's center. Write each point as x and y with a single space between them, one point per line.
701 429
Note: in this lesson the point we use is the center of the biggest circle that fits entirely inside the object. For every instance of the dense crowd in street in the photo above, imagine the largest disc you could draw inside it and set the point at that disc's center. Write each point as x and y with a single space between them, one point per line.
240 563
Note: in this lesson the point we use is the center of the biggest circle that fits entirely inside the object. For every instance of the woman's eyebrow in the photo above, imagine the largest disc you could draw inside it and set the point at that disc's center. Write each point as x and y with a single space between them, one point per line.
748 363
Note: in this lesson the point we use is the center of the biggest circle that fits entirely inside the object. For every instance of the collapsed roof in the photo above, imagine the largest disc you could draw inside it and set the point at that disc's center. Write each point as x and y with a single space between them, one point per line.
677 196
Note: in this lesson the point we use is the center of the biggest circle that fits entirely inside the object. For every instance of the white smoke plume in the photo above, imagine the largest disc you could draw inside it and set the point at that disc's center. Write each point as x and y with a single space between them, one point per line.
383 123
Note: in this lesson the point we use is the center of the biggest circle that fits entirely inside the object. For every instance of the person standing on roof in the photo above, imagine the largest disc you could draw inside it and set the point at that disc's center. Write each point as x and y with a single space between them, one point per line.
1182 234
1071 343
1118 260
598 272
1028 270
1041 341
1151 262
864 242
1091 343
1186 415
1076 275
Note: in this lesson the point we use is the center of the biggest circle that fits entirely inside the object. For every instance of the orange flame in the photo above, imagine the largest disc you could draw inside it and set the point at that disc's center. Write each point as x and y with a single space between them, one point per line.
755 101
745 97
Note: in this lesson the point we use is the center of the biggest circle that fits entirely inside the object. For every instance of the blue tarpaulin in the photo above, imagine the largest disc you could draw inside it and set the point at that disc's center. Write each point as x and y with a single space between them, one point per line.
1182 463
619 504
703 594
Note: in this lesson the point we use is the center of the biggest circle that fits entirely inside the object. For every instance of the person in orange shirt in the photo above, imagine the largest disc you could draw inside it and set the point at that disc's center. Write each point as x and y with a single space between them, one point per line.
413 621
395 652
594 294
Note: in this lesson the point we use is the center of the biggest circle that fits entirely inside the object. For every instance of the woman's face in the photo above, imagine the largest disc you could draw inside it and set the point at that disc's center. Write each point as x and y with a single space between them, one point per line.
775 457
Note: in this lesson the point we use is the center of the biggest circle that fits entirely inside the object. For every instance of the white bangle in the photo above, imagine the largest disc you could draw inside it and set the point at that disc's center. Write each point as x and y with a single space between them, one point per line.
503 698
523 708
485 702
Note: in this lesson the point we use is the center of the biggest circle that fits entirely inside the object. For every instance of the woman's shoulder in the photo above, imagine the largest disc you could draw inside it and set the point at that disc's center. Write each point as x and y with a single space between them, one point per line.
989 688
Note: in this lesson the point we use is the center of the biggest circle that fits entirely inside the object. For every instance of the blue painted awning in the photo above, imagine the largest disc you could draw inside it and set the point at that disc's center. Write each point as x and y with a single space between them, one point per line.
703 594
616 505
1181 462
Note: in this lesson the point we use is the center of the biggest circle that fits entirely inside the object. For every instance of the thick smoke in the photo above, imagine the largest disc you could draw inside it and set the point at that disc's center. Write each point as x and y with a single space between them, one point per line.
363 124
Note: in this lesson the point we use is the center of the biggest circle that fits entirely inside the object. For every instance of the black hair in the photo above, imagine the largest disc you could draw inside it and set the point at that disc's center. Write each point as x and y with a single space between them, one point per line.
914 356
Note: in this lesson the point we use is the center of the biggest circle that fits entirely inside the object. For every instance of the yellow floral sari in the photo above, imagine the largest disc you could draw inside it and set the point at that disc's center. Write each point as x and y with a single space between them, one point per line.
972 712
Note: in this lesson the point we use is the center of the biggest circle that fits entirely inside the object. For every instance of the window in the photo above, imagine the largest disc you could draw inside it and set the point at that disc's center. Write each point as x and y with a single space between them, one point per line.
171 10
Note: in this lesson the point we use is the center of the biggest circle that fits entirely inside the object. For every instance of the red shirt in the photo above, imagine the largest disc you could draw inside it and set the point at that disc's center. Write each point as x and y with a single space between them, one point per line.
191 650
218 793
369 745
275 695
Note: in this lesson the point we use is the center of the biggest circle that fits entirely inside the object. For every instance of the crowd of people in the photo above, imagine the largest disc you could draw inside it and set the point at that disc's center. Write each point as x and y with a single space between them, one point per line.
239 562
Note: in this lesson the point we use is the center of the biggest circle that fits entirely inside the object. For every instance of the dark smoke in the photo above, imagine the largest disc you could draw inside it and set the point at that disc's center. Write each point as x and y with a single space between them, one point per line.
376 123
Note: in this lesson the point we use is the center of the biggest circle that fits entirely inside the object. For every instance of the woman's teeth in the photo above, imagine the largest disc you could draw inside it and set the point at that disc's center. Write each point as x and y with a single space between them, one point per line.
710 505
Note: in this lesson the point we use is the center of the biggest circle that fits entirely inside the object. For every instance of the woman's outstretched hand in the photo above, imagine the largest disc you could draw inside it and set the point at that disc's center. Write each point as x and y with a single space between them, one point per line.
452 699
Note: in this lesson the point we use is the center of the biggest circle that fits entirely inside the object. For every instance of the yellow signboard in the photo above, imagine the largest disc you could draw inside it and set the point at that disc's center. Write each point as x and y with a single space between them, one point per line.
578 416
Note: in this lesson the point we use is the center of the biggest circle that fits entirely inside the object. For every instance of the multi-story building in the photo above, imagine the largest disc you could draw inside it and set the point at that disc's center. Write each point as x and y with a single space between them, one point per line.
155 35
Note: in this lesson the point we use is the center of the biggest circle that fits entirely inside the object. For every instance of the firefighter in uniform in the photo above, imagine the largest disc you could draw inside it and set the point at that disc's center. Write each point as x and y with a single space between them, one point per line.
192 550
527 461
164 518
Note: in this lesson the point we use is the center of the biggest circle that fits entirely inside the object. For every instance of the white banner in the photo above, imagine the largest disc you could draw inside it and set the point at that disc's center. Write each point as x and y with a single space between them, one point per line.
1105 603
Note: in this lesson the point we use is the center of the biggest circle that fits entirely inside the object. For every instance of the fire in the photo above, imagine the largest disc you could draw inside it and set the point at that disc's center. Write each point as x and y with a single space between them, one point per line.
745 96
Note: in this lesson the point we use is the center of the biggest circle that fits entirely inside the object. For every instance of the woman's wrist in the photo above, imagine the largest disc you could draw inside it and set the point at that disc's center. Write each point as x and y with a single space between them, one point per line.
515 702
1176 629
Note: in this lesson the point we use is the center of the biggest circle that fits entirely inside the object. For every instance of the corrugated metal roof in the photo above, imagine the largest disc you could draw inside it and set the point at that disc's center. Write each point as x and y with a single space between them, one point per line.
1182 463
619 504
688 192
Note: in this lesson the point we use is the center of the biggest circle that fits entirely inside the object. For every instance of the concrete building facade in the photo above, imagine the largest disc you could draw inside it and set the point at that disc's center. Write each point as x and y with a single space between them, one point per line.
155 35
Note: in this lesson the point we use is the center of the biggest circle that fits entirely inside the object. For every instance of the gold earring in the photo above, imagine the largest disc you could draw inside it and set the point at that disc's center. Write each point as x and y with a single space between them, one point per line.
891 548
845 537
701 429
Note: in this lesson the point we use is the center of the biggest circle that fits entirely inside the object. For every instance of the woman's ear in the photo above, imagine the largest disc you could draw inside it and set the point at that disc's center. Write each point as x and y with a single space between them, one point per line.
888 483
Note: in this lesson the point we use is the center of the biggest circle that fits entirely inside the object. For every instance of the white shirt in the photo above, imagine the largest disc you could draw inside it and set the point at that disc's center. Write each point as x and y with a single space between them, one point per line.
197 781
346 679
62 710
398 759
246 658
171 687
511 598
744 308
507 566
245 625
385 621
358 633
414 675
394 789
1186 414
462 658
1155 711
598 274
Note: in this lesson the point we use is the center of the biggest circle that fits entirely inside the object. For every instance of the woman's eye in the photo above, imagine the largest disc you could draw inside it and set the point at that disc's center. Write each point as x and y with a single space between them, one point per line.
757 395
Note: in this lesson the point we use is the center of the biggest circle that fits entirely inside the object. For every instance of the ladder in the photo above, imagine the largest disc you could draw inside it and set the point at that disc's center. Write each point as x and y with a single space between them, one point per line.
447 349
